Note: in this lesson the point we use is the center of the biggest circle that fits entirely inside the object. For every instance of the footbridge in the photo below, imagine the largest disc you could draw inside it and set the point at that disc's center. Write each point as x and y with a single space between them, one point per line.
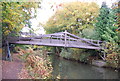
60 39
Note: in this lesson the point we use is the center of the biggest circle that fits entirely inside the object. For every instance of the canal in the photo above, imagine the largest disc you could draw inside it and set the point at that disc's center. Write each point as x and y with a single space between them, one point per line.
73 70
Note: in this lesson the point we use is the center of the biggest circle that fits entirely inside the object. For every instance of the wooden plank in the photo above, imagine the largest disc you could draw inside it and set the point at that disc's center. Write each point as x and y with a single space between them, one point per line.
27 33
56 43
91 40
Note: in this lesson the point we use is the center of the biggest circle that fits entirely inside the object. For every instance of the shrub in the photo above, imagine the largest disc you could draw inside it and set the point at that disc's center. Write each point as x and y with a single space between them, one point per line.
90 33
84 57
37 66
66 53
113 60
113 54
74 53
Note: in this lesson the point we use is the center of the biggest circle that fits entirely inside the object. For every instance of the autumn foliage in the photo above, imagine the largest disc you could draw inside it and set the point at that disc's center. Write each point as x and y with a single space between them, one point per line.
37 65
73 17
16 15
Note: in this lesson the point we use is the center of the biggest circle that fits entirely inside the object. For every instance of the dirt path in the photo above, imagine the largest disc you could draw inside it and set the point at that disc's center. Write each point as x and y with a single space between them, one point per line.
10 70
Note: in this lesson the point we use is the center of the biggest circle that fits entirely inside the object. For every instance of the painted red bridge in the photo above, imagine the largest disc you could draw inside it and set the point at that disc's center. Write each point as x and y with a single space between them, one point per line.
60 39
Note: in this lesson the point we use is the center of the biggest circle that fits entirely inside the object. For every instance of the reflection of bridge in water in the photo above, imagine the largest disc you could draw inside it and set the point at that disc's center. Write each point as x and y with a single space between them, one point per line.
61 39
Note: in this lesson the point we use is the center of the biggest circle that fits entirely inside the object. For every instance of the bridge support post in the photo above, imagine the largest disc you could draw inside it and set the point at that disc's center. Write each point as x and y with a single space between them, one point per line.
104 55
8 56
57 51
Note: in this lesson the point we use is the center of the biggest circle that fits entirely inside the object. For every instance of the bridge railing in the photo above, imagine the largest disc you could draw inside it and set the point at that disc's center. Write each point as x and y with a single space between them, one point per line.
89 41
61 35
27 34
64 38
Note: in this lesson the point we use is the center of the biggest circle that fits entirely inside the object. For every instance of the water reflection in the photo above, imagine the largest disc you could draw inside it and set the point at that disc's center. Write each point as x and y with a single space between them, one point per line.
73 70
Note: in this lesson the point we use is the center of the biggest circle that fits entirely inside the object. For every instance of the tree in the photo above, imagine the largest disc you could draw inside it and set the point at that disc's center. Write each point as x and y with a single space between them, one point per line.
106 24
16 15
116 7
73 17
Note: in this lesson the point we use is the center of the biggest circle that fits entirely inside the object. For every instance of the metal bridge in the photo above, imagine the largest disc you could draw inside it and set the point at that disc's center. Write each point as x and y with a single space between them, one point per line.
60 39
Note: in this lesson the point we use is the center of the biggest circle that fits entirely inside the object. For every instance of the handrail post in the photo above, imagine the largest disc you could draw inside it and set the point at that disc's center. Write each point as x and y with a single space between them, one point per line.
65 38
60 39
98 42
51 39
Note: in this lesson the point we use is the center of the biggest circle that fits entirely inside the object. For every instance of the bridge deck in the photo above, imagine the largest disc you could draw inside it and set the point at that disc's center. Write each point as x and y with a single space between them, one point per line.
61 39
55 42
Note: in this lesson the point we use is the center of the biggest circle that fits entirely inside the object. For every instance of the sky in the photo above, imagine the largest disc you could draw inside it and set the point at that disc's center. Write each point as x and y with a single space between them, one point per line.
46 11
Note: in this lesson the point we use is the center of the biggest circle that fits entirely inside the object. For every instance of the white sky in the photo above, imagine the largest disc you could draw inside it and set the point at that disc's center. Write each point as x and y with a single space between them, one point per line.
46 12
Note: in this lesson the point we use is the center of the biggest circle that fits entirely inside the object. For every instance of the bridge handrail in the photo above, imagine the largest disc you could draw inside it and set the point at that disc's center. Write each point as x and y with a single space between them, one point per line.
82 38
86 40
27 33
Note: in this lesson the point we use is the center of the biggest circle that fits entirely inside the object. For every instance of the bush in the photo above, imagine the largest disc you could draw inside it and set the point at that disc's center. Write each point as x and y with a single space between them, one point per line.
66 53
37 65
84 57
76 54
90 33
113 54
113 60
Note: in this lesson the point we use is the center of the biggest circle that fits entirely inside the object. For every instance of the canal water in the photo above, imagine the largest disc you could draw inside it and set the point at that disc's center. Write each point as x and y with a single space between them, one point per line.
67 69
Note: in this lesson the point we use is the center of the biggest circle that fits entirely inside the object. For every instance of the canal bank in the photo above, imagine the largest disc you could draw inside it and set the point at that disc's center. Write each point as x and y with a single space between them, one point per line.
73 70
91 58
66 69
